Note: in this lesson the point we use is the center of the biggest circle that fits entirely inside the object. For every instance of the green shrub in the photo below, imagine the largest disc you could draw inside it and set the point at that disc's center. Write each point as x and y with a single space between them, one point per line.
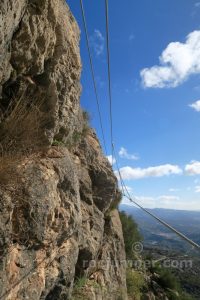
169 282
135 284
57 143
130 232
79 284
180 296
165 277
76 137
79 291
185 296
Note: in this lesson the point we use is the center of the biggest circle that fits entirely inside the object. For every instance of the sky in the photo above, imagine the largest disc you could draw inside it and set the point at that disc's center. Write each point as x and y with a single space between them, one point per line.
155 82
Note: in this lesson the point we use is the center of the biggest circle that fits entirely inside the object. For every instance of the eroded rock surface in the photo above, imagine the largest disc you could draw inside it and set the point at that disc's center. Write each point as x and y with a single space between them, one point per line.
55 224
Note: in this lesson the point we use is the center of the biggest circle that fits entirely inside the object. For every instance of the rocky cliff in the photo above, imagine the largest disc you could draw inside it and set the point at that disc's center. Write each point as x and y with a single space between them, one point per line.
57 228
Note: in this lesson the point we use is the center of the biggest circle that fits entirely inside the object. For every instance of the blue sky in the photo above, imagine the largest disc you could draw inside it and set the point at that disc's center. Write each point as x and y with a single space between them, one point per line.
155 71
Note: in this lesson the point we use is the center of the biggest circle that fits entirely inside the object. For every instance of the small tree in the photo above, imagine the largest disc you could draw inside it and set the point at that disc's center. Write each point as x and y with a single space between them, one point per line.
130 232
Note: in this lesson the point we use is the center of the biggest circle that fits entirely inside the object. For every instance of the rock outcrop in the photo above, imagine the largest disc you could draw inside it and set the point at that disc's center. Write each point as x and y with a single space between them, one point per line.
56 225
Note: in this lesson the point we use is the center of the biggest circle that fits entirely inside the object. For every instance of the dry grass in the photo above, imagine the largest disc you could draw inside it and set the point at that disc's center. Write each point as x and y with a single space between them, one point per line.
116 201
23 129
21 133
8 170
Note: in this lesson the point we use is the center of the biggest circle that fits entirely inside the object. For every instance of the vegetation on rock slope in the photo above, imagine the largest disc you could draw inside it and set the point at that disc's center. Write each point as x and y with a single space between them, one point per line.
147 280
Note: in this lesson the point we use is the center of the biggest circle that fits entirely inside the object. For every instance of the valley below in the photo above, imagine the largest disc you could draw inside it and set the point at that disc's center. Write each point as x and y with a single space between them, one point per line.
163 246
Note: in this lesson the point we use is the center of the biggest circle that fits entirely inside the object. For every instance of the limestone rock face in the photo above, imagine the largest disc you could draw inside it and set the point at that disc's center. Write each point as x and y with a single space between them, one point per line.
56 226
11 13
40 59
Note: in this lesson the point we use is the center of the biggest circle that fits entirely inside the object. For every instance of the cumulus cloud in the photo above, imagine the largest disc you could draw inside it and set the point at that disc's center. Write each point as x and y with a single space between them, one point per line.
177 62
123 153
111 159
196 105
97 42
129 173
193 168
163 201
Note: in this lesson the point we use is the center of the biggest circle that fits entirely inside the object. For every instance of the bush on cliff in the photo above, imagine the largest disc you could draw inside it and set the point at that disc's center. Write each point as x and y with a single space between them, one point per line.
169 282
131 234
135 284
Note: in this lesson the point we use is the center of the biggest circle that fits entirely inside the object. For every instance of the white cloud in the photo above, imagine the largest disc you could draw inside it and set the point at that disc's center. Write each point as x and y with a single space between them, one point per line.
166 198
127 188
129 173
196 105
197 189
197 4
163 201
177 62
97 42
172 190
124 154
193 168
146 201
111 159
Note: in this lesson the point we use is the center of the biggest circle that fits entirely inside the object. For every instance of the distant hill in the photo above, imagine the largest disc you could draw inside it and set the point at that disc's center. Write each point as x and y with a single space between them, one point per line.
154 233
